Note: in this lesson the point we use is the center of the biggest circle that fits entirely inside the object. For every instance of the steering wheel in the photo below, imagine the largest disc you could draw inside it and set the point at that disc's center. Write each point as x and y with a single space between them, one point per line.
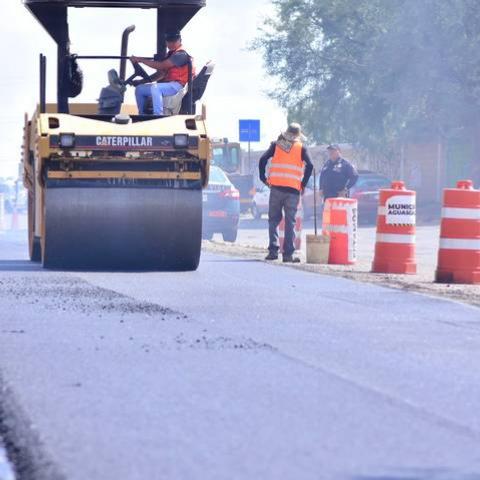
139 71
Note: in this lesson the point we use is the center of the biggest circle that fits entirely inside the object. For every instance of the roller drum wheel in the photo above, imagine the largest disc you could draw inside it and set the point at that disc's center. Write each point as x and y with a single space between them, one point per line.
34 245
122 228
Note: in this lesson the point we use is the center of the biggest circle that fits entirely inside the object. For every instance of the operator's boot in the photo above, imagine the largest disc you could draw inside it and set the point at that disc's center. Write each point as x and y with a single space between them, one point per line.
290 259
271 257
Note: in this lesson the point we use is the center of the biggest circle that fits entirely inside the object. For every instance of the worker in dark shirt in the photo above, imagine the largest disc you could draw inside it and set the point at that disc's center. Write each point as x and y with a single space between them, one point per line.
338 175
289 172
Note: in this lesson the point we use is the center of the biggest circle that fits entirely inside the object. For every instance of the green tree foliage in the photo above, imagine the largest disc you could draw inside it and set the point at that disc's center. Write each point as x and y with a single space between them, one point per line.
375 71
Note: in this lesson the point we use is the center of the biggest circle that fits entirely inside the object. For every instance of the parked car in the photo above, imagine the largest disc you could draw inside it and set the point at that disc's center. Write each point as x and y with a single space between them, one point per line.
260 201
366 192
221 207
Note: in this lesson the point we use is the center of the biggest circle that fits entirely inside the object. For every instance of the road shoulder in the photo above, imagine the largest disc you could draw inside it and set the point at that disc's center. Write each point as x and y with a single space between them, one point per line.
421 283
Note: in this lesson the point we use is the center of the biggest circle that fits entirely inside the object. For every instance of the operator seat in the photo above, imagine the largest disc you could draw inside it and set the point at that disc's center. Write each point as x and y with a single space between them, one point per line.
111 97
173 103
199 85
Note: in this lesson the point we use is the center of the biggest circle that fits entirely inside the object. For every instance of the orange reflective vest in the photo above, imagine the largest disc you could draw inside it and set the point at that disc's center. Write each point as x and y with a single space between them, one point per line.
286 169
178 74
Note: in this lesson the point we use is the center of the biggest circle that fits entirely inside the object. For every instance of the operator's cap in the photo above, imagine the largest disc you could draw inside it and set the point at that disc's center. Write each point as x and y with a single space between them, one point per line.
173 36
334 146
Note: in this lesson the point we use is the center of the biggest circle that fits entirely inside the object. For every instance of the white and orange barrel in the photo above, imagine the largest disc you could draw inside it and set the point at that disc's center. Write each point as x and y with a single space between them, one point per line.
2 212
459 253
298 228
340 223
396 224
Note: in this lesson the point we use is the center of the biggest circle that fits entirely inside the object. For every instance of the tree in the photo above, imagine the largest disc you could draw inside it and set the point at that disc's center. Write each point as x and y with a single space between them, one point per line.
374 72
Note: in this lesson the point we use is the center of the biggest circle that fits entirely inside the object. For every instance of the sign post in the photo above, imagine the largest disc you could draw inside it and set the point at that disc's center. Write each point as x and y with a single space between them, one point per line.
249 131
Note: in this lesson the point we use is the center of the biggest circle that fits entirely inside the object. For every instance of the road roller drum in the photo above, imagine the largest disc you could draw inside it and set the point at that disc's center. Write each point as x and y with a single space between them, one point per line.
122 228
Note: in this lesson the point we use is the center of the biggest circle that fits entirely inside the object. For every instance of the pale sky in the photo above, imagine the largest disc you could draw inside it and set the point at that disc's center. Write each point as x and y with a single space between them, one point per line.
220 32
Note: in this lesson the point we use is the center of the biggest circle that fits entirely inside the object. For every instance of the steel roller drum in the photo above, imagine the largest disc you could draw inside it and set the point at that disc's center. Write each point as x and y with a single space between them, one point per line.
123 228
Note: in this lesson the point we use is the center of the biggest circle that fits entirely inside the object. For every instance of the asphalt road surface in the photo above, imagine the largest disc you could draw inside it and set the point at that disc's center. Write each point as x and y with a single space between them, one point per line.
241 370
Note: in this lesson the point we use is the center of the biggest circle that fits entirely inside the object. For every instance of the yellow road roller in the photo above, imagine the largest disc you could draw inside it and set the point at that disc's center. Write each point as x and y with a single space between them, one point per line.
110 187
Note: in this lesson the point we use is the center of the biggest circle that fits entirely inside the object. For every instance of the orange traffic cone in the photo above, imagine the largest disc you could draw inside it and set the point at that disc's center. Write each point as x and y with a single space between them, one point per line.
395 246
459 252
340 223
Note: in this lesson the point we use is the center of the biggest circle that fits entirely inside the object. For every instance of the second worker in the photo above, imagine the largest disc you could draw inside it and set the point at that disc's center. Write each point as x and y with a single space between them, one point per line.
289 172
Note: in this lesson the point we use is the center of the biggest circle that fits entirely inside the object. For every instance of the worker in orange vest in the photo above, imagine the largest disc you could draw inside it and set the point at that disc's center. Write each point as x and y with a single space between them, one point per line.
289 172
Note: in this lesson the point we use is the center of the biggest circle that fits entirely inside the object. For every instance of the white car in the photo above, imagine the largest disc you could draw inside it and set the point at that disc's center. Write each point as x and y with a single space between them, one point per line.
260 201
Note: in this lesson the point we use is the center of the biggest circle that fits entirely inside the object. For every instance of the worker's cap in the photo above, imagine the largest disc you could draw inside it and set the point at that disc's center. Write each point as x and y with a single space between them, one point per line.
173 36
334 146
293 132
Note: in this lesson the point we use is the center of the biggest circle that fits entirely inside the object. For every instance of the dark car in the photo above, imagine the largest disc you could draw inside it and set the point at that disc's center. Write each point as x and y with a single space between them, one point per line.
366 192
221 207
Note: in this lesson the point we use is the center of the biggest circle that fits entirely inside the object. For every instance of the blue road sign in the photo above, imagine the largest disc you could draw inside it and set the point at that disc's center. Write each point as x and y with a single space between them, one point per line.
249 130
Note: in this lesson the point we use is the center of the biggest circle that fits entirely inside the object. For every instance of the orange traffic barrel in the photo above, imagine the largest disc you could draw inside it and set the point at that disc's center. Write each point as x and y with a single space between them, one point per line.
340 223
395 245
459 252
298 228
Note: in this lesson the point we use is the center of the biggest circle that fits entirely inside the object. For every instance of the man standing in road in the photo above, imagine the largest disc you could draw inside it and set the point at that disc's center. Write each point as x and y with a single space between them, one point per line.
338 175
289 172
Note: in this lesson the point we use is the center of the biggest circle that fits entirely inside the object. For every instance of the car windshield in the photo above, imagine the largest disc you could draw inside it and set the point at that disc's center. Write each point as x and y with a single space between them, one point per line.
372 183
217 175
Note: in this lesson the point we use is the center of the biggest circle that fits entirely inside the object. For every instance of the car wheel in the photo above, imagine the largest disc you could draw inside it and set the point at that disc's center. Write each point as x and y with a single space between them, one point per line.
230 235
257 215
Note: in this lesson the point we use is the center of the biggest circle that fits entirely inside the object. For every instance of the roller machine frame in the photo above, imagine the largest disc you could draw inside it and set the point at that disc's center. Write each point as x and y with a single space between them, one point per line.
114 190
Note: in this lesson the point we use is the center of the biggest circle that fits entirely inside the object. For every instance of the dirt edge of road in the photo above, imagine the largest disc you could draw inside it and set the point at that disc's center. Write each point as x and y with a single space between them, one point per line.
469 294
22 442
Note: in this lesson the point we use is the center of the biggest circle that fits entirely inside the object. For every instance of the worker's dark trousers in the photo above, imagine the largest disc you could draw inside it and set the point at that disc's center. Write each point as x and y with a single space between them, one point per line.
282 201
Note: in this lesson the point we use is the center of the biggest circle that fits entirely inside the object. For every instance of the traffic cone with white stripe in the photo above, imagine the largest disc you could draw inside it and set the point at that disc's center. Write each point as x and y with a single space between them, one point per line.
340 222
459 252
395 246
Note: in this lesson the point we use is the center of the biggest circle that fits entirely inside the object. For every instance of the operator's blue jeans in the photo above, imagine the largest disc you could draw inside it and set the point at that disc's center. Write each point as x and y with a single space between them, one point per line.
157 91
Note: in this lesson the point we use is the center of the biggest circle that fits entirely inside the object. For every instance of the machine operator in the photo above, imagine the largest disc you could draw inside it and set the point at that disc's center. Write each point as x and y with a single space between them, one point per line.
171 77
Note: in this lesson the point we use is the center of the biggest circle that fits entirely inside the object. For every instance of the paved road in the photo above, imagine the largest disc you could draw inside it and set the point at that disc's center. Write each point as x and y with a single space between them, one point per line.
241 370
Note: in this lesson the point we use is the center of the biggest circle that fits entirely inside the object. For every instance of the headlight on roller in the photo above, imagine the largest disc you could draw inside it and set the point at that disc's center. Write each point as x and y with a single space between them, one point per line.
67 140
180 140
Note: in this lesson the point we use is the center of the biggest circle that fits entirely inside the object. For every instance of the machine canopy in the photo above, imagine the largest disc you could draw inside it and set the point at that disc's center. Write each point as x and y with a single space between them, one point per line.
52 14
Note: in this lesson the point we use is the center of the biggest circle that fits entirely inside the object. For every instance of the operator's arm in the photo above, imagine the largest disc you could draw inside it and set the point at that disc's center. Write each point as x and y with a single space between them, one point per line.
159 66
308 167
263 162
153 78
